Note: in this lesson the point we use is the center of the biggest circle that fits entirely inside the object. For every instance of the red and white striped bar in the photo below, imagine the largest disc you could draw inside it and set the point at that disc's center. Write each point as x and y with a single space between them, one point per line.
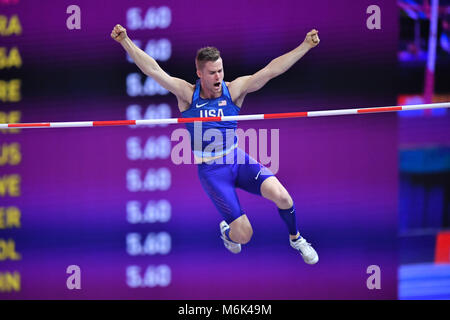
266 116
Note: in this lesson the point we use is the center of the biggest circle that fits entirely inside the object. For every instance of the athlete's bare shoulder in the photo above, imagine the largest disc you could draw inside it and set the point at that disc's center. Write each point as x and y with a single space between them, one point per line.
235 88
185 101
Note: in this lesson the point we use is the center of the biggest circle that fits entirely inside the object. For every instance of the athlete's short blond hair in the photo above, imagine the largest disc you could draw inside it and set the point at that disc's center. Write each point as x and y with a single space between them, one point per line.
206 54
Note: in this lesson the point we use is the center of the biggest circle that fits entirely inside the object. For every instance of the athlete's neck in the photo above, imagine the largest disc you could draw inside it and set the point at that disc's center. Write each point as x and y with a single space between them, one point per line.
207 94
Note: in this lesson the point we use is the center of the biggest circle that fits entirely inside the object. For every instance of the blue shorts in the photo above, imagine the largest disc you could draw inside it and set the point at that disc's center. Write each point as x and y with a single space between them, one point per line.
221 180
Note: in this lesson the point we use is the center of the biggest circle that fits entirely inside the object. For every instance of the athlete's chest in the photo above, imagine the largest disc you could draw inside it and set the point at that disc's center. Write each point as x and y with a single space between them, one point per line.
213 108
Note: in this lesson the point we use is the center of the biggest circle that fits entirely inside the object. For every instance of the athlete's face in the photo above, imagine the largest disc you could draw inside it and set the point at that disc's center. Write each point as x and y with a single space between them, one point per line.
211 76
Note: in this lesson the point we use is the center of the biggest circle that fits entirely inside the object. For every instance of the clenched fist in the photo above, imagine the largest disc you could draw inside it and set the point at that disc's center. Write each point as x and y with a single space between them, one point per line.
119 33
312 38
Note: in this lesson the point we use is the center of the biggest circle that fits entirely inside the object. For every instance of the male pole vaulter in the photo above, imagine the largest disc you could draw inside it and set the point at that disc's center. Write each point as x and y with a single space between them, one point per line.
212 96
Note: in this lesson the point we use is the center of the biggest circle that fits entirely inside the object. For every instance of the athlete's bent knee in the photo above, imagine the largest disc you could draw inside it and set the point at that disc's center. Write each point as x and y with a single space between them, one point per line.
242 234
283 199
245 237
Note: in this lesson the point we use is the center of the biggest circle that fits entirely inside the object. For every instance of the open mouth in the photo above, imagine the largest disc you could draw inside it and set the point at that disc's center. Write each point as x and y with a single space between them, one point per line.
217 84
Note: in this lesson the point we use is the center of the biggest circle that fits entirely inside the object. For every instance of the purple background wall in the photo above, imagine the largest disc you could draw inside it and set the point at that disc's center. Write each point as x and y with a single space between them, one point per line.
341 171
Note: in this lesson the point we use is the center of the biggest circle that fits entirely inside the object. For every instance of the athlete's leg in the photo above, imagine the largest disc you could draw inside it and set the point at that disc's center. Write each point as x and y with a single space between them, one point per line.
257 179
273 190
218 182
241 230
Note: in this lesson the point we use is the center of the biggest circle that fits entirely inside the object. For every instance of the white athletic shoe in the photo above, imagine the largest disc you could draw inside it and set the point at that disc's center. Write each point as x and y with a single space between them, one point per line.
230 245
308 253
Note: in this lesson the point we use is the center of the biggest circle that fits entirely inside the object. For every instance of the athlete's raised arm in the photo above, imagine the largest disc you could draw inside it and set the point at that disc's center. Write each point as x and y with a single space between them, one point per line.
180 88
243 85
